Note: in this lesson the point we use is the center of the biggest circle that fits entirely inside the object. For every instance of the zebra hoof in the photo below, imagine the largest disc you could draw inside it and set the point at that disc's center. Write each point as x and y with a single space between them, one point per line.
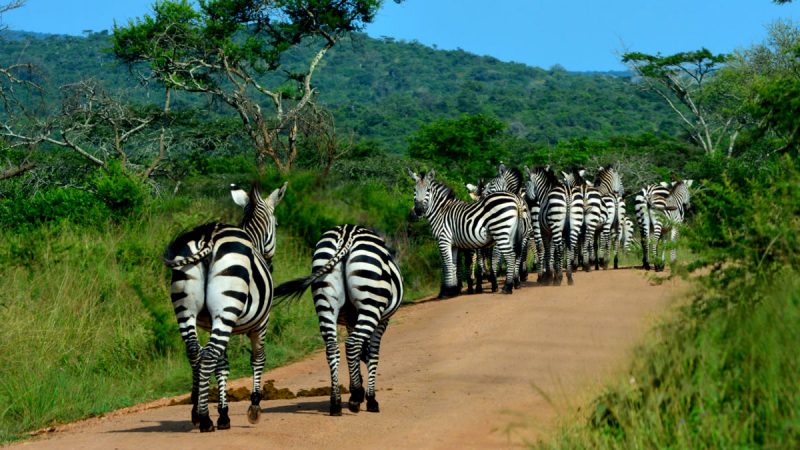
224 421
449 292
372 404
206 425
356 397
507 289
570 281
336 407
253 413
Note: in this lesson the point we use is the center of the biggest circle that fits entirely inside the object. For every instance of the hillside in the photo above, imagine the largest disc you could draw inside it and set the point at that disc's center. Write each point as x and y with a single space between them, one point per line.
383 89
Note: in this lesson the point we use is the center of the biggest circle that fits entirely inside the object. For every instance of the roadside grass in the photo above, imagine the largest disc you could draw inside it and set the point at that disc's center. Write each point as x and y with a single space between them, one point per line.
725 381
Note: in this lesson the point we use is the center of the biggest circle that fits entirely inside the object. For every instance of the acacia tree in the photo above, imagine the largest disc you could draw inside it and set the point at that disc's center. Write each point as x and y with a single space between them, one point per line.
224 48
681 80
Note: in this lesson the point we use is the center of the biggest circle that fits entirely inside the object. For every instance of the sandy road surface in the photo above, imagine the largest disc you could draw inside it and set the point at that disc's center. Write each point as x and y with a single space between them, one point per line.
453 374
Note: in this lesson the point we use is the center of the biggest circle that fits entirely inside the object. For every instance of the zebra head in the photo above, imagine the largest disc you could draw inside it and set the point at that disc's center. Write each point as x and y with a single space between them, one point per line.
680 192
259 216
540 180
422 191
574 177
507 180
609 181
473 190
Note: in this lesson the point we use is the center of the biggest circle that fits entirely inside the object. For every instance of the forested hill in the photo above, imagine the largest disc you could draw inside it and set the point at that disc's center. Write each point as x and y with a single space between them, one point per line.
383 89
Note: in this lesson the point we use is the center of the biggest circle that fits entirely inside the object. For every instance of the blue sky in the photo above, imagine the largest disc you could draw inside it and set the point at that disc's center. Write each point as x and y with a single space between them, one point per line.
577 34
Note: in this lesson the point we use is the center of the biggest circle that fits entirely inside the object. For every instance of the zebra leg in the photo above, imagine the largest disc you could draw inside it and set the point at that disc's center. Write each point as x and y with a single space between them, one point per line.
193 350
449 277
673 252
656 237
504 246
558 259
257 361
493 267
328 294
372 365
222 371
209 358
469 257
476 265
354 346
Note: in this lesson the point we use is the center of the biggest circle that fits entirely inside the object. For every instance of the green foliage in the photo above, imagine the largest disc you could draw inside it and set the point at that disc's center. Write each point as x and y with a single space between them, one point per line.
466 147
53 205
122 194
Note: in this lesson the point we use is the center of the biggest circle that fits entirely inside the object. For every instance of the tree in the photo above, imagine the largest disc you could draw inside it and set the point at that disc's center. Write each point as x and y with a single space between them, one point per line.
681 80
224 48
467 147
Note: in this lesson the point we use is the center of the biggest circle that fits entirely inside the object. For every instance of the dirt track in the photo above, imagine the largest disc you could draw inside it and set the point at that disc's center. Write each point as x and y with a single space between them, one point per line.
460 373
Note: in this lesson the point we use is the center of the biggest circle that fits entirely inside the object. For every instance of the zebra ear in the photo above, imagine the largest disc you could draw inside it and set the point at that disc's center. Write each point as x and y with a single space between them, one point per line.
527 172
277 195
688 182
430 175
239 195
564 174
412 174
471 187
582 172
501 169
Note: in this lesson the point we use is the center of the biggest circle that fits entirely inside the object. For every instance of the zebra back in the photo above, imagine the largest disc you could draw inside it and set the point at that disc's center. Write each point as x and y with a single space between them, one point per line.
344 238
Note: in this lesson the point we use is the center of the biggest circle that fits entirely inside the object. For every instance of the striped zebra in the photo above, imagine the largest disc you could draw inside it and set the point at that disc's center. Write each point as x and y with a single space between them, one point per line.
609 183
492 220
511 180
221 282
594 215
660 209
560 220
355 283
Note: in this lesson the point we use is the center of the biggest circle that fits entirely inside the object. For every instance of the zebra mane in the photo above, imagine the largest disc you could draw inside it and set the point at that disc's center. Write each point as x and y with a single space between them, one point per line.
255 197
447 190
549 175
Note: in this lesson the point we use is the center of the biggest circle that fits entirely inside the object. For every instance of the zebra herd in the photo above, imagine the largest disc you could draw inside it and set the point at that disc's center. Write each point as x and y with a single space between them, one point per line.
222 282
568 221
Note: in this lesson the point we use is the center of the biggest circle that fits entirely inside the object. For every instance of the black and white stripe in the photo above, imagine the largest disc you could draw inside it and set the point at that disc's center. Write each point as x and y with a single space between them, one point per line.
356 283
560 221
651 203
492 220
221 282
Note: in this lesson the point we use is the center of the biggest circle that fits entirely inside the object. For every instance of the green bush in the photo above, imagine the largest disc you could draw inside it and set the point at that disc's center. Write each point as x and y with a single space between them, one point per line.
124 195
74 205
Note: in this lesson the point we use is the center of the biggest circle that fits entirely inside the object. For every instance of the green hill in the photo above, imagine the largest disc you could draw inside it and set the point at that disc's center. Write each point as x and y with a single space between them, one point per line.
384 89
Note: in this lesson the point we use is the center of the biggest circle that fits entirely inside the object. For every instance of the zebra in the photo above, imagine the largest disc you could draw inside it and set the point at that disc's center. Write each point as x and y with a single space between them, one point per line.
560 220
609 238
609 183
492 220
221 282
594 214
512 181
356 283
659 207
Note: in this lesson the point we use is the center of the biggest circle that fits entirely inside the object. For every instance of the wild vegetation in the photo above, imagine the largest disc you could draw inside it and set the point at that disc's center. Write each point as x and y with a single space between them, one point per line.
99 172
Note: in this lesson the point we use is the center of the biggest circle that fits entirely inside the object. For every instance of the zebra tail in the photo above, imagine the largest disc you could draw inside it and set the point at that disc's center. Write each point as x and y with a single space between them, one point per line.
292 290
186 260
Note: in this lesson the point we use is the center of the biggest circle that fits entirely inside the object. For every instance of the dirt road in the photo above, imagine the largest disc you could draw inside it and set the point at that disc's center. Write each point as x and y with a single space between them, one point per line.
460 373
